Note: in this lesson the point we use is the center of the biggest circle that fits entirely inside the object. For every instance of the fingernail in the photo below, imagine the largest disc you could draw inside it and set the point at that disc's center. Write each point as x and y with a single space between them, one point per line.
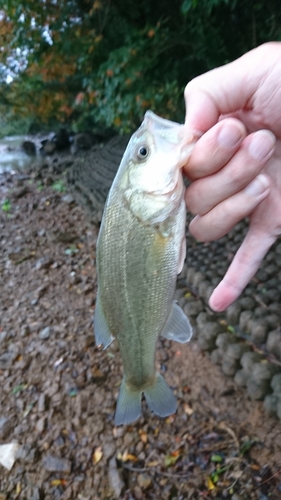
258 186
262 144
229 136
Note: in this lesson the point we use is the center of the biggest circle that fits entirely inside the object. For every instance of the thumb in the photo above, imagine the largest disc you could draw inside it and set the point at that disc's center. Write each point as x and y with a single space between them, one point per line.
225 89
243 267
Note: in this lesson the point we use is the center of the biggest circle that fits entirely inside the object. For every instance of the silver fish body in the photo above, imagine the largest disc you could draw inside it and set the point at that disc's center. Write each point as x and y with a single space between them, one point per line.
140 251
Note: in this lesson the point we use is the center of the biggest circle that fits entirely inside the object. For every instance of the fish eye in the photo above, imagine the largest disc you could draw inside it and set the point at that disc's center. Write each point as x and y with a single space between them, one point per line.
143 152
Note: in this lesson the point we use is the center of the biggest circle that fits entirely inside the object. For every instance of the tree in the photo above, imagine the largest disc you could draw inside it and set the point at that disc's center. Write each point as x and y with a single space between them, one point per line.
88 62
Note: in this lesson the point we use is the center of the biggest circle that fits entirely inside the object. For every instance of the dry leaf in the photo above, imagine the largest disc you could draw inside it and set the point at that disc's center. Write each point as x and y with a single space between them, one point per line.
187 409
97 455
143 436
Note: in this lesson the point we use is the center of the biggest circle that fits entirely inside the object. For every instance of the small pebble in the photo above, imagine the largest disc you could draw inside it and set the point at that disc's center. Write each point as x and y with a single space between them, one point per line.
45 333
56 464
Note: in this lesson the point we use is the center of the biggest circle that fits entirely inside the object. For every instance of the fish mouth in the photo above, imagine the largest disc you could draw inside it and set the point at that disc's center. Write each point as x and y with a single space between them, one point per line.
177 186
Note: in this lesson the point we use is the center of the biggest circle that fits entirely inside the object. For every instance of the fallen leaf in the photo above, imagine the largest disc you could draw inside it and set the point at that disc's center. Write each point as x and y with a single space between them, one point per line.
187 409
210 484
143 436
97 455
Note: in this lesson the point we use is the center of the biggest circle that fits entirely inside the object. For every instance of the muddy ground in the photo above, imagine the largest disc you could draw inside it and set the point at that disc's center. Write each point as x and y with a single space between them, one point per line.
58 391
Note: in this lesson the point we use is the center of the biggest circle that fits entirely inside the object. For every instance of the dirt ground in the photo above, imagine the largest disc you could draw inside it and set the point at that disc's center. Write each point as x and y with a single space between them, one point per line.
58 391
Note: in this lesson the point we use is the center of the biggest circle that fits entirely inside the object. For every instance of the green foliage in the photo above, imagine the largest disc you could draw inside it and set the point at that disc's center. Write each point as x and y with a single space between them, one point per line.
6 206
103 62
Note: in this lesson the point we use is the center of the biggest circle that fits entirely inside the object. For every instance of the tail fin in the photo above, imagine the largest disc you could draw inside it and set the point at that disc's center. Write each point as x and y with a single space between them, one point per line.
160 398
128 405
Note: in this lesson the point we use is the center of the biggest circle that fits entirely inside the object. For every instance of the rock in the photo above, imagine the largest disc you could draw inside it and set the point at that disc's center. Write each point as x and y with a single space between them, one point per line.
241 378
42 402
84 141
257 389
193 308
197 279
190 274
56 464
276 383
258 384
279 409
41 424
43 263
5 425
7 359
114 479
29 148
47 147
273 343
233 314
248 361
258 331
45 333
144 481
217 356
247 303
61 139
245 321
270 404
26 454
224 339
68 198
207 335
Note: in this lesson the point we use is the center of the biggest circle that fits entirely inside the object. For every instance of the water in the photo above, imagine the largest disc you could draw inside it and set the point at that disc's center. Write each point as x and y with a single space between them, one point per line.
14 160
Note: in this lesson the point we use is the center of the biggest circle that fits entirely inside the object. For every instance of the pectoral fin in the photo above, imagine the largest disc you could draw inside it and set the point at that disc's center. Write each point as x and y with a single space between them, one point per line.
102 332
178 327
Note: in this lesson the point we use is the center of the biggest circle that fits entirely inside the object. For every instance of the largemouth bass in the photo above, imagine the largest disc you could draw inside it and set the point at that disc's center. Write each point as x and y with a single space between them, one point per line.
140 251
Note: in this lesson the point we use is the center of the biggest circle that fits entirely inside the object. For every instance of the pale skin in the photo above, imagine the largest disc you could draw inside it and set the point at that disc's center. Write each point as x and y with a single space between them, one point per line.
236 165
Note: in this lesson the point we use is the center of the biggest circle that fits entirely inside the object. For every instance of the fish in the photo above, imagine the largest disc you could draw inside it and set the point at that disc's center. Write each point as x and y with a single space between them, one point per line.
140 251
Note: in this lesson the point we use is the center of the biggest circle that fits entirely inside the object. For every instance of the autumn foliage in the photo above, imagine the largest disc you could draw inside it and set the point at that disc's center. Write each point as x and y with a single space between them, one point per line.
91 62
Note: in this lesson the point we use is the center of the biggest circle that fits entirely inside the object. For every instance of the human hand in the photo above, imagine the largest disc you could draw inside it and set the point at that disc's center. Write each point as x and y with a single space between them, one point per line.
236 165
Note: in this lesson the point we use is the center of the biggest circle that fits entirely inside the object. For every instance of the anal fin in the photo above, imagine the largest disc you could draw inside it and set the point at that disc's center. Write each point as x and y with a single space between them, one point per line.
177 327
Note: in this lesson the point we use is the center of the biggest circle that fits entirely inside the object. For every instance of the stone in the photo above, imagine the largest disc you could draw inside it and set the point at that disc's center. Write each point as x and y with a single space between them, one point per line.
248 361
29 148
273 343
245 321
6 360
26 453
258 331
279 409
193 308
276 383
247 303
224 339
56 464
207 335
68 198
45 333
144 481
233 314
114 478
41 424
42 402
270 404
5 426
241 378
